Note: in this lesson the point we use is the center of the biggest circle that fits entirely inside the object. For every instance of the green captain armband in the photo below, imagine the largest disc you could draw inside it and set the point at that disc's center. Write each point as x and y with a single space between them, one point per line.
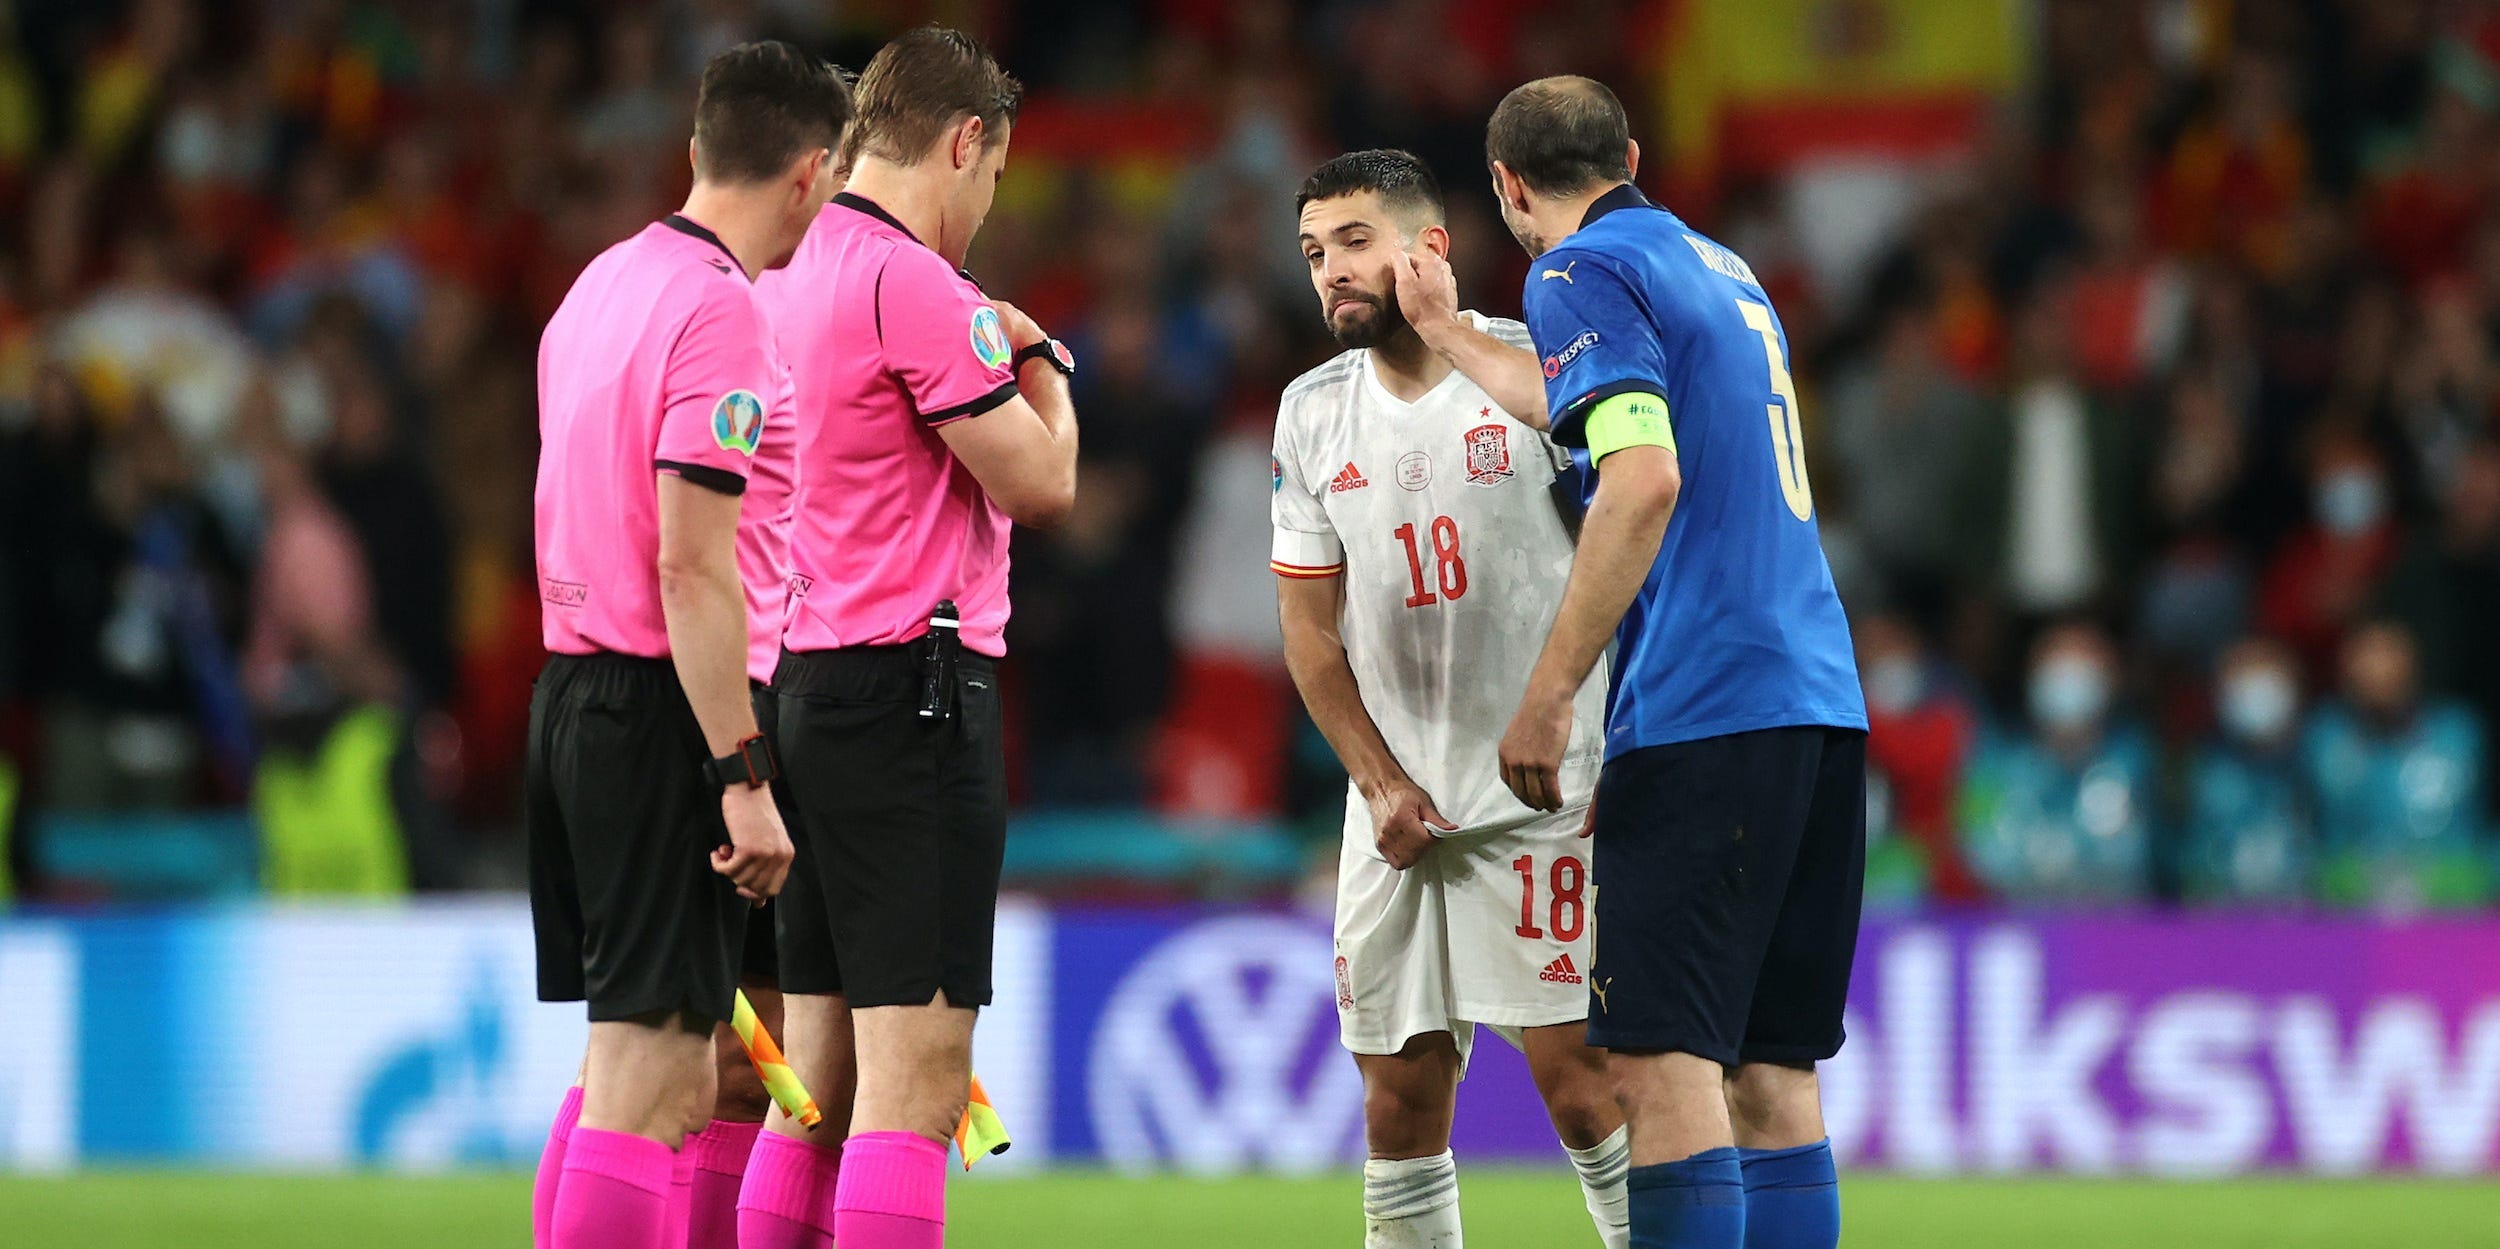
1638 419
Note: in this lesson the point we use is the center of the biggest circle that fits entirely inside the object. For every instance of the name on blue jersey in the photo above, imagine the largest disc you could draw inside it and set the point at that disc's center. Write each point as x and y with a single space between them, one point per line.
1721 260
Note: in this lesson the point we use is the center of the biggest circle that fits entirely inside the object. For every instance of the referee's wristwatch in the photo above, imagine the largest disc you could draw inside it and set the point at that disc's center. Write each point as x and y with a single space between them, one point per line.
1051 350
751 765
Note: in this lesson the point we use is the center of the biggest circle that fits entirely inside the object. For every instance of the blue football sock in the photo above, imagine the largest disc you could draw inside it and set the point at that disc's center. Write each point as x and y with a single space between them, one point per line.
1698 1203
1792 1197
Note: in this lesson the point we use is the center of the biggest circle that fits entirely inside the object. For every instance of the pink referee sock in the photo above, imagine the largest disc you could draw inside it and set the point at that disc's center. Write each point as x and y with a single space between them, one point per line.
892 1192
550 1169
720 1163
787 1199
615 1191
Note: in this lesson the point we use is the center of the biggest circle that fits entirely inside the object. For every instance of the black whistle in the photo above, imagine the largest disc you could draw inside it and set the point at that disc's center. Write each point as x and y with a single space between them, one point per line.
937 662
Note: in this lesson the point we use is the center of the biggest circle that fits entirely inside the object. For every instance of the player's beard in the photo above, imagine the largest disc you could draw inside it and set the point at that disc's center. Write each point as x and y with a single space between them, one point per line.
1386 321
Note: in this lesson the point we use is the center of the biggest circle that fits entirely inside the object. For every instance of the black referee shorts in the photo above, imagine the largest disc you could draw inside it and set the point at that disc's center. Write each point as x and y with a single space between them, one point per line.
901 828
629 914
1728 873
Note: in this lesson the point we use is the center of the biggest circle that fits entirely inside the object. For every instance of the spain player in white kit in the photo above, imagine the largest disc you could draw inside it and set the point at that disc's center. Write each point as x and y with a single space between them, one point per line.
1419 551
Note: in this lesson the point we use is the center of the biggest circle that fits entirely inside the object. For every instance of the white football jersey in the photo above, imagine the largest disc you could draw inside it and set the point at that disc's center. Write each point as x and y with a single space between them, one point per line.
1441 518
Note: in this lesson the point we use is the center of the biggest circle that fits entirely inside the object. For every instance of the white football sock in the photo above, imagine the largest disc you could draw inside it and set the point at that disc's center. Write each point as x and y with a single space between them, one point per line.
1412 1203
1602 1169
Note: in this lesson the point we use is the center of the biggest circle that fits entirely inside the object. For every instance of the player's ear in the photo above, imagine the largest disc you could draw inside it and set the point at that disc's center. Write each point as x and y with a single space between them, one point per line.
1632 157
1509 188
968 138
810 167
1435 239
694 159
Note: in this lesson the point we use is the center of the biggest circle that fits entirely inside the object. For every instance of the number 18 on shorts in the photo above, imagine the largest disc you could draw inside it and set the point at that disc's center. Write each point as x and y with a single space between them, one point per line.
1490 928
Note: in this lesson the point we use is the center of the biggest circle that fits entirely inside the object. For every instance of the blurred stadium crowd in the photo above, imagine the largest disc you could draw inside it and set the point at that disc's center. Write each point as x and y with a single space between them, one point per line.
2150 395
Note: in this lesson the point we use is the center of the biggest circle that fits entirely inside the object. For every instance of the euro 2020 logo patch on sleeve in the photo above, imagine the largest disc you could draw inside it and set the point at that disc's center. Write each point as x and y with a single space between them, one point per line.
989 338
738 422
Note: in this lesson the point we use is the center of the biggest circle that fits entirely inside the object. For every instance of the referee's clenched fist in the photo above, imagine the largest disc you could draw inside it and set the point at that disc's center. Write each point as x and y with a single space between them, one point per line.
758 855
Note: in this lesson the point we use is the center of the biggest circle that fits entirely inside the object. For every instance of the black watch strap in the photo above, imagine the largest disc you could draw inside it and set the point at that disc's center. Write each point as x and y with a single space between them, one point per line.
751 765
1052 350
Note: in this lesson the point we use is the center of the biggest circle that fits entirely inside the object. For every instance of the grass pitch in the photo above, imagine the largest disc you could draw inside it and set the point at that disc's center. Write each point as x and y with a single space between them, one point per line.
1504 1210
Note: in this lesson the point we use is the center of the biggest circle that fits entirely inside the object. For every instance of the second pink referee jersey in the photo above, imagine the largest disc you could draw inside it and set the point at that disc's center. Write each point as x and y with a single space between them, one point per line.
658 361
886 342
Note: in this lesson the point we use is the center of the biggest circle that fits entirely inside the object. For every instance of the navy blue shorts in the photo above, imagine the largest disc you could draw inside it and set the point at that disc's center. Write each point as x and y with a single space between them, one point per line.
1728 872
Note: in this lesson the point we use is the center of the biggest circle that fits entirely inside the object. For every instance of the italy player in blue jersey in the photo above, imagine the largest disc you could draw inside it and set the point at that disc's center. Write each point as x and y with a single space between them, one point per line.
1730 825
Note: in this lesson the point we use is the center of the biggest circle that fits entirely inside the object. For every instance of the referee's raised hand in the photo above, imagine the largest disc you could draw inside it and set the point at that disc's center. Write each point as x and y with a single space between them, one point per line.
757 858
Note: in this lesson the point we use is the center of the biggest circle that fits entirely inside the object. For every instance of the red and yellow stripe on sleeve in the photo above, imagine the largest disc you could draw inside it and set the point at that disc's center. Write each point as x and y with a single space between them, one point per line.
1304 572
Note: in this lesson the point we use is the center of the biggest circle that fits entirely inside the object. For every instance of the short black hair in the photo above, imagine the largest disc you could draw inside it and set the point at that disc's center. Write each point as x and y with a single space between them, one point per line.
1402 179
1561 135
922 85
762 106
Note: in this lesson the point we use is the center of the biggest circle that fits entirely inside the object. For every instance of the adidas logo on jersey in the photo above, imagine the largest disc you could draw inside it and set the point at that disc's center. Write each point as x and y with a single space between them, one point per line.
1348 478
1560 971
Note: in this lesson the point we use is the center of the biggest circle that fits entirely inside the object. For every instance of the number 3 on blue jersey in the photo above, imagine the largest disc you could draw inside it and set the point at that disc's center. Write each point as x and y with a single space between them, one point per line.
1788 436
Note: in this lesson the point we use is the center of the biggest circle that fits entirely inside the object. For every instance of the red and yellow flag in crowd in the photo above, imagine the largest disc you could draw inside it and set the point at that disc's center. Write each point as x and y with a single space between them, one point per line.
1756 85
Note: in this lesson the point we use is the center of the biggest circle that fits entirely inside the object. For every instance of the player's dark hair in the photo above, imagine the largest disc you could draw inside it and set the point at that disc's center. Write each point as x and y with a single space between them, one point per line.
924 84
762 106
1561 135
1402 180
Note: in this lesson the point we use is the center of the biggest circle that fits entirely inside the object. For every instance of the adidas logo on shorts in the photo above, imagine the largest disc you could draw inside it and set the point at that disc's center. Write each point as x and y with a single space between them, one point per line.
1560 971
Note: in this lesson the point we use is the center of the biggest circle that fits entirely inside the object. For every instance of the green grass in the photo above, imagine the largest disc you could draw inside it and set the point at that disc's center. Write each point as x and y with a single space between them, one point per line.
1505 1210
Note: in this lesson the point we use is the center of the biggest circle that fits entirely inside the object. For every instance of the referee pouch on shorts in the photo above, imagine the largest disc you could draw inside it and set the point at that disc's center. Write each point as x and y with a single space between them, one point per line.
936 651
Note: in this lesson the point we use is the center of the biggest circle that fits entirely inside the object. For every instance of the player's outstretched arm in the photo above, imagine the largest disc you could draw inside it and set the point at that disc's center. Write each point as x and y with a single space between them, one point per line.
1402 813
1636 490
704 604
1428 296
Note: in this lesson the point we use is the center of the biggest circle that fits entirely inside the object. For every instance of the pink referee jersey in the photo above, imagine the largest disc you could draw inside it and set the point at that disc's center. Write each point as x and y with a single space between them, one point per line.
887 342
658 361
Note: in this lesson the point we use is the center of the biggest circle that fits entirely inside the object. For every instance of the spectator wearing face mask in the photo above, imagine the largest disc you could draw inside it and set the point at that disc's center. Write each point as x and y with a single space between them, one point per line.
1921 724
2447 589
2251 832
2398 779
2328 572
2064 813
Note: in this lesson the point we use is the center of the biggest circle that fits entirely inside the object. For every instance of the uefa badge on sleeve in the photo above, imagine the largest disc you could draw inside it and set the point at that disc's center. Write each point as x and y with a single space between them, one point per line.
989 338
738 422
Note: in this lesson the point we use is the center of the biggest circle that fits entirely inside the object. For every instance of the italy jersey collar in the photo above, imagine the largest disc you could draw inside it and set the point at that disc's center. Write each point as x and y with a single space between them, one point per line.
1624 196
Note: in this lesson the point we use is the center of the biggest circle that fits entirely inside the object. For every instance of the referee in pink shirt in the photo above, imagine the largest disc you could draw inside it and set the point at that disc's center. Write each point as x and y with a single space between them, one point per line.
933 420
652 829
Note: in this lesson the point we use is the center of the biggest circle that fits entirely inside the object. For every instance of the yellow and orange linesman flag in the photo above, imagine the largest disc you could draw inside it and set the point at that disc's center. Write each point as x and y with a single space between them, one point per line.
779 1080
979 1134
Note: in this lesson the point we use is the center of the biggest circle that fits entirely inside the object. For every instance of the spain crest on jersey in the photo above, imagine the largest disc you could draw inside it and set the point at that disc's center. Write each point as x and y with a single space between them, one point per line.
1488 455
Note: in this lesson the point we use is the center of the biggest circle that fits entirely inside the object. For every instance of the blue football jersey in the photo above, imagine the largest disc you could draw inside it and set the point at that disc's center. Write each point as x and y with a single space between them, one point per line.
1737 627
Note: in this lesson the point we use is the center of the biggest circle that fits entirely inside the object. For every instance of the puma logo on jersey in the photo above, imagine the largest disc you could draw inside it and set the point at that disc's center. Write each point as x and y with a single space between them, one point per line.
1598 991
1348 478
1564 273
1560 971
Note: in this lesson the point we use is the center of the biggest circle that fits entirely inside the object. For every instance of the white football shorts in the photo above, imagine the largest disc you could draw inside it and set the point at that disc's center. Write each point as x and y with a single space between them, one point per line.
1490 928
